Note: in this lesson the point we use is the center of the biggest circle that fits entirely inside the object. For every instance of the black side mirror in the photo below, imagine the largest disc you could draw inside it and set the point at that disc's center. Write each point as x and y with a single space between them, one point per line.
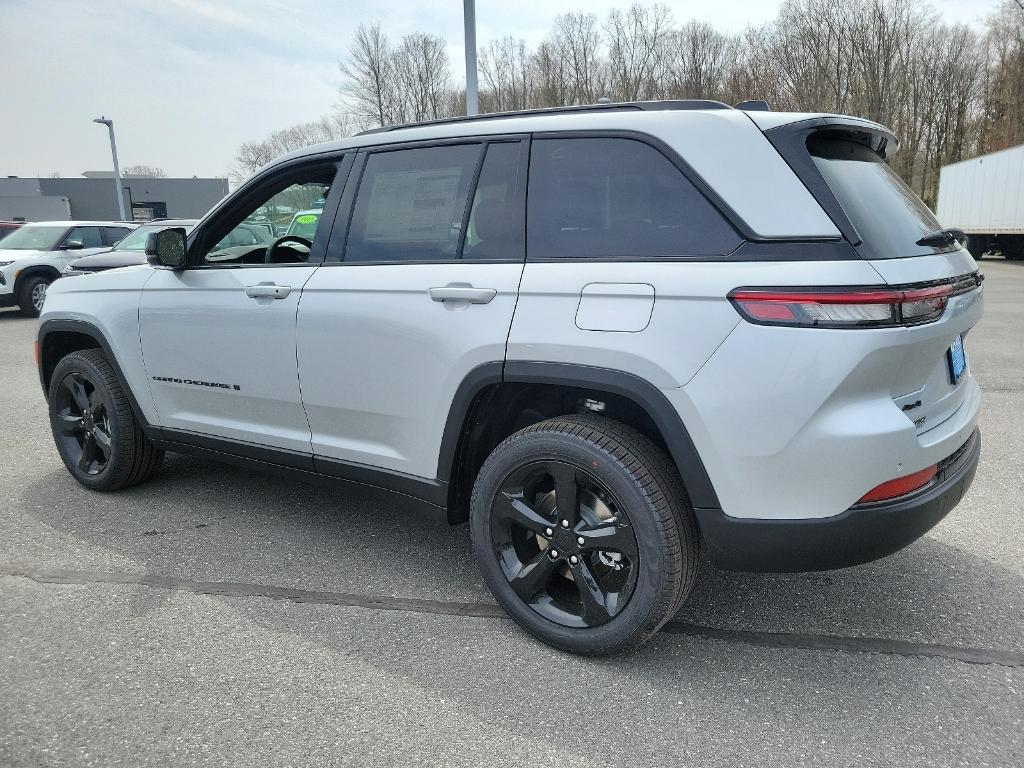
166 248
72 245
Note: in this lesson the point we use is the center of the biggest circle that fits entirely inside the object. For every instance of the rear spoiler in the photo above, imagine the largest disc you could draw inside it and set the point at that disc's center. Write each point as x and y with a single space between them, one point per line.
790 141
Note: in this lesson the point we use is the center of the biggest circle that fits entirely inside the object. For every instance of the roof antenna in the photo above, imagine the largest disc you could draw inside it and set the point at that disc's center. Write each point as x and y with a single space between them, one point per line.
604 100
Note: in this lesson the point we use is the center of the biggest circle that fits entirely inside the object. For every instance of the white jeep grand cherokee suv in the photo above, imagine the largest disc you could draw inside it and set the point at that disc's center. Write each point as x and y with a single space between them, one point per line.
608 336
34 255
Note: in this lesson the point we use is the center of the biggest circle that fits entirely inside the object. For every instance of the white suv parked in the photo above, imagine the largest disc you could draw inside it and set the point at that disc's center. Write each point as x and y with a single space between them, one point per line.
608 336
34 255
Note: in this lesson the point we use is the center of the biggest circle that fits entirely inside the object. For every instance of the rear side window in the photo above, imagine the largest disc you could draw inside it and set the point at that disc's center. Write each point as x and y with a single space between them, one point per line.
617 198
112 235
889 217
411 204
495 228
89 237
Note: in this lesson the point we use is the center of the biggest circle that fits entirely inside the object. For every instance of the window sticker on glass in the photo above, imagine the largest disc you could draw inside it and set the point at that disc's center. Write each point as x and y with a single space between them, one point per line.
421 205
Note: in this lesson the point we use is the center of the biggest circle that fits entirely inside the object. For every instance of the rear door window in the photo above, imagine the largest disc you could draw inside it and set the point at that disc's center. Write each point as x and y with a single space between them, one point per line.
411 203
887 214
89 237
617 198
495 228
113 235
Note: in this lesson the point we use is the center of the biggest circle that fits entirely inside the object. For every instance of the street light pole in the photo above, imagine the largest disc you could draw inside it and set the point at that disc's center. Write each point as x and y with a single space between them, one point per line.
117 171
469 18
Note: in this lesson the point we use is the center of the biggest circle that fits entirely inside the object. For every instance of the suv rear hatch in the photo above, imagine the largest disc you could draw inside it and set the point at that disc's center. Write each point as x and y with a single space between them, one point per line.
843 162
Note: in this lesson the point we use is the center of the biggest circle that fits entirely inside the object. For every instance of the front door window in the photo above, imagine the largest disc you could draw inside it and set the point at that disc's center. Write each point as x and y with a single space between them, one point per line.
260 234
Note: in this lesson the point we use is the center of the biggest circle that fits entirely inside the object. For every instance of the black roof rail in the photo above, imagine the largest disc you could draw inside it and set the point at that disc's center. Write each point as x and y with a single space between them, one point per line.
754 105
621 106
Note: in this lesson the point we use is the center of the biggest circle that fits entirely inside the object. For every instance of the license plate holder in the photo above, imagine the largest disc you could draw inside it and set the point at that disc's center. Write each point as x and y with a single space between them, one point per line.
957 359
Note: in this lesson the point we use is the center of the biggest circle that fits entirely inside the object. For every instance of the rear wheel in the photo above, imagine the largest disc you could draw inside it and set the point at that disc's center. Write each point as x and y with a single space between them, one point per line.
32 294
977 245
96 433
584 534
1013 247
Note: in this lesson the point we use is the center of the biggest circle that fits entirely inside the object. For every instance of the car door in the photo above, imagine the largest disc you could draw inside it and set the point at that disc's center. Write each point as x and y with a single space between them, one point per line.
419 293
78 242
218 337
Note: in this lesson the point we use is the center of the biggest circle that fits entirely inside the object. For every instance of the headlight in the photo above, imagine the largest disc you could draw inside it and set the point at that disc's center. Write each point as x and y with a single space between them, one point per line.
6 263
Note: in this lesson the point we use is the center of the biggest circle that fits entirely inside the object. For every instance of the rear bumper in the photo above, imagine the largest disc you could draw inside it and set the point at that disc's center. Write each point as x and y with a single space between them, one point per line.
860 534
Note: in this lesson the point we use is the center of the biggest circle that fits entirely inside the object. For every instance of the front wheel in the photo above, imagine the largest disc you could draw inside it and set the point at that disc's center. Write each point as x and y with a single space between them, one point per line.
32 294
97 435
584 533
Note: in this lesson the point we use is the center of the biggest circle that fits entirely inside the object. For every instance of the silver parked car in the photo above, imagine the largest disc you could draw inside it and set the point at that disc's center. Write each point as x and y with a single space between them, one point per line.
702 329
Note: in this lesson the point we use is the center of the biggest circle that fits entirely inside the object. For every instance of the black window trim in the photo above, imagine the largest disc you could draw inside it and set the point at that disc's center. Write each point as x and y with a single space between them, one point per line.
335 256
252 189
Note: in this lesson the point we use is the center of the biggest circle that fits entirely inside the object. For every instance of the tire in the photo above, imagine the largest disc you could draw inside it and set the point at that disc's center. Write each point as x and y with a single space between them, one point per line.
1013 247
31 294
977 245
630 500
87 406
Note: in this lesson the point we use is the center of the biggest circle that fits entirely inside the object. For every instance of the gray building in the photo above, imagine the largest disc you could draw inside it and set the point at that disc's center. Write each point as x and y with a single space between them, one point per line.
93 198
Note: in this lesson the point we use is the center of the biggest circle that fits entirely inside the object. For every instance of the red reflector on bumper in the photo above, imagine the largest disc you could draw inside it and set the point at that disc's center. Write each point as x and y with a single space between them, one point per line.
901 486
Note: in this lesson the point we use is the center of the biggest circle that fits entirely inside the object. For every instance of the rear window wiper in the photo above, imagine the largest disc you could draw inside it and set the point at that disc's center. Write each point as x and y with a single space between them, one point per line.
943 237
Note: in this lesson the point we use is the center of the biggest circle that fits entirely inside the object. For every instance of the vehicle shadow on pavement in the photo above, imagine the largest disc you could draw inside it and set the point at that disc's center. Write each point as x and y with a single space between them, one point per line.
205 521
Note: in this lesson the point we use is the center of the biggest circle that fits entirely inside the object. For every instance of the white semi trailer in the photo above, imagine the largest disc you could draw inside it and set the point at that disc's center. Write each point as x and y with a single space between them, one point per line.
984 196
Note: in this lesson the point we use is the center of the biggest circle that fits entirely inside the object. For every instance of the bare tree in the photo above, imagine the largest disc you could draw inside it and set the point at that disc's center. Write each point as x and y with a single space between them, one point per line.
253 155
370 78
506 74
698 60
1002 121
387 85
637 50
148 171
577 41
947 91
551 87
421 68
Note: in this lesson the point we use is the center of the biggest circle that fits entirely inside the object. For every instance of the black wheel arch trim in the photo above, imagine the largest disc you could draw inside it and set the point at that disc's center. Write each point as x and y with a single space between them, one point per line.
36 270
648 397
85 328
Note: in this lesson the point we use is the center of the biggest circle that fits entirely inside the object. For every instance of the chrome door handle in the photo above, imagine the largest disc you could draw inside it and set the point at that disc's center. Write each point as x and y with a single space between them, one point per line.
267 291
463 292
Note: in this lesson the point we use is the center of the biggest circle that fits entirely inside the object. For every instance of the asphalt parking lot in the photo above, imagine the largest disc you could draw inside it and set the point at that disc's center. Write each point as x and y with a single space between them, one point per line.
218 617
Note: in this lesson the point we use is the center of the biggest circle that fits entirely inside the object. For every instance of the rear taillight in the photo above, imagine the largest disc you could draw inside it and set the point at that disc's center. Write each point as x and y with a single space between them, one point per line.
901 486
842 307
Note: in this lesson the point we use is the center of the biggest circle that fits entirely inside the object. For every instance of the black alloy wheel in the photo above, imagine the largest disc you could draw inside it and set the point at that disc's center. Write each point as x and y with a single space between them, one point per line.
584 533
565 543
97 434
83 423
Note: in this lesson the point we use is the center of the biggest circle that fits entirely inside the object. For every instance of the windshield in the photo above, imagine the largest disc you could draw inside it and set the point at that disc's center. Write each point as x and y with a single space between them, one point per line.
304 224
34 238
887 213
136 241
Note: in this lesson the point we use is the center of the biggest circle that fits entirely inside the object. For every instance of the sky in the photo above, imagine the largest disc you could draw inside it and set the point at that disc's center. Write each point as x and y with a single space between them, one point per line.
187 81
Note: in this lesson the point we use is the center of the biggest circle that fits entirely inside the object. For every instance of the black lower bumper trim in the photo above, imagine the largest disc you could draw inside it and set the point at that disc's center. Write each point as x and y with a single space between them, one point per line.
859 535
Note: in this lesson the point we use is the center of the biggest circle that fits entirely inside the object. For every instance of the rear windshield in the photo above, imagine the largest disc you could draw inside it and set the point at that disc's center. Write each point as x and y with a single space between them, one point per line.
887 213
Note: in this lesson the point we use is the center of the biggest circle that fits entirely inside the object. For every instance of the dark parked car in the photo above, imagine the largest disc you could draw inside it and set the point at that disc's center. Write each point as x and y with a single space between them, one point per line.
127 252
